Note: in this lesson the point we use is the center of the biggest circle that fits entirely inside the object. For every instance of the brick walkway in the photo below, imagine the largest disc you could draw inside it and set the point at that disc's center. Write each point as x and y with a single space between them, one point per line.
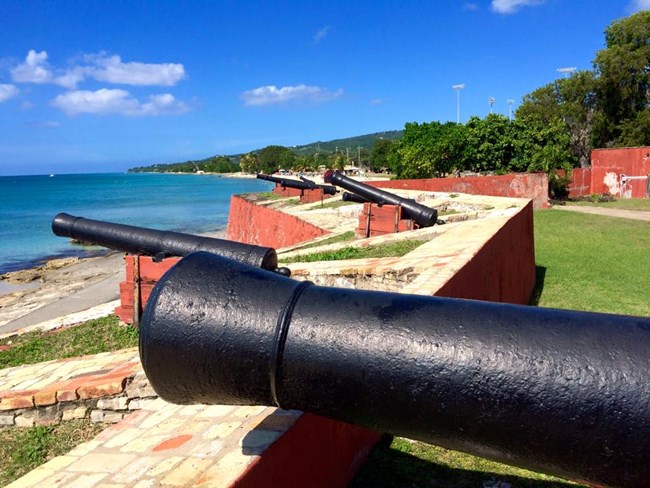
158 445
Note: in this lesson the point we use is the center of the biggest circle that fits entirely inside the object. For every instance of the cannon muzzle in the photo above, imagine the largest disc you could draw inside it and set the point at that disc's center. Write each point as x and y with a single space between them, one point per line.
353 197
424 216
151 242
562 392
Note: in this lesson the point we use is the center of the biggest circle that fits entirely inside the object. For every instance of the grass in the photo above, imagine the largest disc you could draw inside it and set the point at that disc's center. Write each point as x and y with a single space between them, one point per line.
22 450
393 249
336 204
592 263
637 204
346 236
92 337
405 463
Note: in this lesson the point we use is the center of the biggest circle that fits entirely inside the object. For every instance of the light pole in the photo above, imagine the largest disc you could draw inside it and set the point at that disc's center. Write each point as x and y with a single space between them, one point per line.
510 102
491 102
458 88
566 71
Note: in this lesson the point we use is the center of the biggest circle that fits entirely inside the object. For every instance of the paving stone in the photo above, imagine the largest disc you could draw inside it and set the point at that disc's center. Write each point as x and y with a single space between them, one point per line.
45 397
143 444
215 411
135 470
221 430
141 403
74 413
256 441
101 462
59 462
100 388
164 465
112 417
184 473
7 419
33 478
124 437
111 485
118 403
24 420
172 443
207 449
145 484
13 403
97 415
86 481
67 393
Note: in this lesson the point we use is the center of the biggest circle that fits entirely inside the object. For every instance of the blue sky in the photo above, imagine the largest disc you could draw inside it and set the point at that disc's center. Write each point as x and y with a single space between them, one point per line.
103 86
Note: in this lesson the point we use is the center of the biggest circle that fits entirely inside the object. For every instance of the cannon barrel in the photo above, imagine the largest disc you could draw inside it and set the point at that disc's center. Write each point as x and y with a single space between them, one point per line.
561 392
151 242
300 185
327 189
424 216
353 197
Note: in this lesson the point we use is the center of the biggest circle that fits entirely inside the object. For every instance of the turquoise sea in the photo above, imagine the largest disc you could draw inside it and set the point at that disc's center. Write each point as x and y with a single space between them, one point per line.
183 203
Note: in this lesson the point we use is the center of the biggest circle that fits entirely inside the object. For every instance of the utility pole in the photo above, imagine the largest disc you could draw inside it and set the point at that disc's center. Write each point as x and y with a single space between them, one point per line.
510 102
458 88
491 102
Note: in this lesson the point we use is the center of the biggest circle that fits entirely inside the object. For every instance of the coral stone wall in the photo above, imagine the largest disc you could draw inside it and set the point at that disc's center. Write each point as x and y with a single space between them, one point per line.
580 184
262 226
517 185
607 166
503 270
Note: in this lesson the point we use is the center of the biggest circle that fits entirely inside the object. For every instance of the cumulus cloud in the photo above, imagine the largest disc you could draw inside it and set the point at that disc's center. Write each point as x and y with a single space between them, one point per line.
321 34
110 69
638 5
115 101
7 92
511 6
270 94
35 69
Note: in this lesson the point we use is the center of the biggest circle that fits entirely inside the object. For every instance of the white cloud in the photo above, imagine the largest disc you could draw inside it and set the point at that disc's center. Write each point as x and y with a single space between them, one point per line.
35 69
7 92
113 70
115 101
100 67
470 6
270 94
511 6
638 5
321 34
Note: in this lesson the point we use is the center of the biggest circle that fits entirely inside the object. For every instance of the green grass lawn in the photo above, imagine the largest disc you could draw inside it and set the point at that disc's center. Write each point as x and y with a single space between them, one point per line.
393 249
92 337
593 263
622 204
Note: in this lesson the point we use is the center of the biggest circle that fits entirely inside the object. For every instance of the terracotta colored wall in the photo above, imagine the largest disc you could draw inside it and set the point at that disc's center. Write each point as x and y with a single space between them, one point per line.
503 270
608 164
518 185
262 226
580 182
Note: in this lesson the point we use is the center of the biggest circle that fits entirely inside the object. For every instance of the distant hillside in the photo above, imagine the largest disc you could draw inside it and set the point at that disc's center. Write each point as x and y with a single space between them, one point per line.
212 163
365 142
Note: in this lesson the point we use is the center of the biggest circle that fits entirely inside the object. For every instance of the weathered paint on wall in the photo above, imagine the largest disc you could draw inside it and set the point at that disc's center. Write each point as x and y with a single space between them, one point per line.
580 182
517 185
255 224
607 166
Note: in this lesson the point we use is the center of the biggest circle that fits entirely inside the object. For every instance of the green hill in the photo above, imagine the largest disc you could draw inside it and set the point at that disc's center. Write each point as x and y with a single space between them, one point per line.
230 163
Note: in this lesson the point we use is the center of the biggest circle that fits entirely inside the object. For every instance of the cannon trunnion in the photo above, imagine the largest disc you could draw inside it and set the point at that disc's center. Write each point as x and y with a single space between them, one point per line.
567 393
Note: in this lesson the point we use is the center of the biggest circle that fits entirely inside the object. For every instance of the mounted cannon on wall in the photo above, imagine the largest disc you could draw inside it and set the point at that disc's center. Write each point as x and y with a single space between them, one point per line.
561 392
152 252
307 190
381 207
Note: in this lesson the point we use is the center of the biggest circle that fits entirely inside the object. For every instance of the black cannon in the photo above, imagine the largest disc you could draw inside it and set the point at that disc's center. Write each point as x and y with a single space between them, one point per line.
151 242
300 185
561 392
423 216
353 197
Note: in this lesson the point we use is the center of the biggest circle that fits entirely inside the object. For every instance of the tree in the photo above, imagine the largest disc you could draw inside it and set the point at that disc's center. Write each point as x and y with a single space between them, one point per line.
249 163
489 144
273 158
623 69
379 154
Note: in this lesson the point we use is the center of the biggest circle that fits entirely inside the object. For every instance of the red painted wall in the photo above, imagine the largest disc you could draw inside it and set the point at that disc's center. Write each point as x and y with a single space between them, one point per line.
580 185
608 164
518 185
262 226
503 270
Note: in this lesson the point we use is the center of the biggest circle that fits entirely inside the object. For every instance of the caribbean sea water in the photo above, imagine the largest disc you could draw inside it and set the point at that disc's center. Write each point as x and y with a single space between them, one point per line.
183 203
